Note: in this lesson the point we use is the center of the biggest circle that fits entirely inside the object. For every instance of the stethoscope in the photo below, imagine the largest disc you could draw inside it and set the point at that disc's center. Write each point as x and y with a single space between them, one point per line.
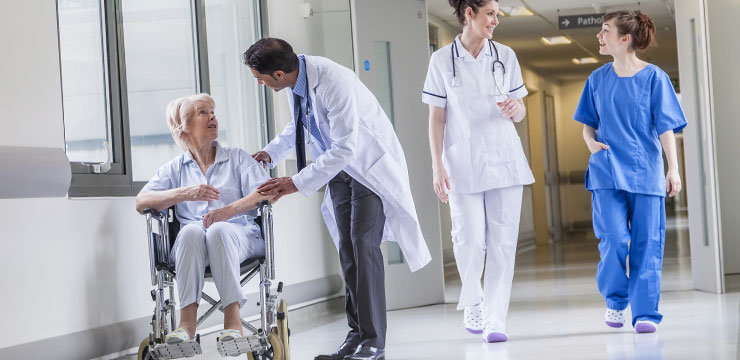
308 112
492 49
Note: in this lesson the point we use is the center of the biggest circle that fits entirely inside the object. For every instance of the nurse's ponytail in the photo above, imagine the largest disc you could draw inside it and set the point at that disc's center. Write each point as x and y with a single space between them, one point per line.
638 25
461 5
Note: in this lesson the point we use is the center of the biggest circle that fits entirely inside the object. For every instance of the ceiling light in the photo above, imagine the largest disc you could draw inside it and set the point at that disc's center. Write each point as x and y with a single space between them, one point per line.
516 11
555 40
586 60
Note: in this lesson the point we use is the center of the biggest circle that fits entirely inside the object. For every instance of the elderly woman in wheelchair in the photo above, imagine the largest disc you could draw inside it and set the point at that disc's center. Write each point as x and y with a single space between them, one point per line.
213 191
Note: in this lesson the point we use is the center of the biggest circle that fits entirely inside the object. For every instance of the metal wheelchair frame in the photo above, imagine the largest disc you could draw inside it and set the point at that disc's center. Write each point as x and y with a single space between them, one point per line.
270 341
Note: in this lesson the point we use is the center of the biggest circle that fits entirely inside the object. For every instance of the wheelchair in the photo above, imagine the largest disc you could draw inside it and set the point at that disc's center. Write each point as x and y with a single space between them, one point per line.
268 342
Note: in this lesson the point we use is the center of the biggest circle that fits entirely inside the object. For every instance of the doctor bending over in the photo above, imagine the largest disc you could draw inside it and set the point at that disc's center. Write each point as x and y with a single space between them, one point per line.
474 89
356 152
213 190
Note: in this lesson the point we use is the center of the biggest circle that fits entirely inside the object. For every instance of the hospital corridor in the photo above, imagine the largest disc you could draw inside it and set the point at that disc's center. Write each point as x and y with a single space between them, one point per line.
369 179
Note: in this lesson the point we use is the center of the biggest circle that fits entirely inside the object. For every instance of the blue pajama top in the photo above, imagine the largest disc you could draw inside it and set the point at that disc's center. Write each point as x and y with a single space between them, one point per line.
629 113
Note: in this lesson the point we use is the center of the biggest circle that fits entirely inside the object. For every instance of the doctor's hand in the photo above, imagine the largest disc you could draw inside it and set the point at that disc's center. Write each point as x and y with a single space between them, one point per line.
262 157
595 146
441 183
277 188
672 182
222 214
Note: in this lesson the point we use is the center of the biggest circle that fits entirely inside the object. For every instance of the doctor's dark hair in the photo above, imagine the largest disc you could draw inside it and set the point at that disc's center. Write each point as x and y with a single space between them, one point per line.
269 55
638 25
461 5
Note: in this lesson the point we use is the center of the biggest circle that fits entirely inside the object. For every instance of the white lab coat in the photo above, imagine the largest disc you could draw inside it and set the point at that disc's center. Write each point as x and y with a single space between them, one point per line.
362 142
481 148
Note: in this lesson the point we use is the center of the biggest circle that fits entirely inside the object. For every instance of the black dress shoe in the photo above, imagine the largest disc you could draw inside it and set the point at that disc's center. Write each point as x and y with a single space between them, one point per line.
365 352
345 349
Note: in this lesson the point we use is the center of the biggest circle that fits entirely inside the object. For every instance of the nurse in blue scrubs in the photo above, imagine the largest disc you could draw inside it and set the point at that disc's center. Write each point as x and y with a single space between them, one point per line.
630 114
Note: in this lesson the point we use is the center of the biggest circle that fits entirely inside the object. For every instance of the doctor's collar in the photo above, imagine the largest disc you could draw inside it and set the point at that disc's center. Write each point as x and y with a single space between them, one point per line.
301 81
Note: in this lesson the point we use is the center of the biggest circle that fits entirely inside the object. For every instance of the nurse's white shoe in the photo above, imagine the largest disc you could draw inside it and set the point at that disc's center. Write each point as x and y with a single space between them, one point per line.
473 320
614 318
490 335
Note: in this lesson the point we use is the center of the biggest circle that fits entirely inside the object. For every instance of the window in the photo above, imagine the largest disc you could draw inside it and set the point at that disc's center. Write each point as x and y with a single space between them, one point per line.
123 61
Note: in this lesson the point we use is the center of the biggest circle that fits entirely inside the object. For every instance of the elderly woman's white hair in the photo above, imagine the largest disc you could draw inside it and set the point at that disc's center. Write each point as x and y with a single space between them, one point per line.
181 111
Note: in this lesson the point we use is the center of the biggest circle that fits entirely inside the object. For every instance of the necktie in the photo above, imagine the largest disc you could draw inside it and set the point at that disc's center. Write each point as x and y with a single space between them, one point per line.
300 148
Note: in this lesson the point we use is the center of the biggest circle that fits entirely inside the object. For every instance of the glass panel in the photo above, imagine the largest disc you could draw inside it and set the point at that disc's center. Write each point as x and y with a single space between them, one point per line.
699 106
231 27
84 78
384 94
160 66
383 85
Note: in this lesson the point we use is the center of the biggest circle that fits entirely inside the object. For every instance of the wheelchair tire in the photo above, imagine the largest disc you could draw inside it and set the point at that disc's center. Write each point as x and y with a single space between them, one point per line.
143 353
283 331
278 351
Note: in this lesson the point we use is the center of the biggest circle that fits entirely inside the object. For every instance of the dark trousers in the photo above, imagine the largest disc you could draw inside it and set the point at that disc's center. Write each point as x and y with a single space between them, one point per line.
360 221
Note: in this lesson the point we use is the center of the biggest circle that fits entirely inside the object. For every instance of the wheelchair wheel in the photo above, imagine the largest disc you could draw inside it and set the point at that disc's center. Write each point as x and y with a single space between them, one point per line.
143 353
278 351
275 352
283 331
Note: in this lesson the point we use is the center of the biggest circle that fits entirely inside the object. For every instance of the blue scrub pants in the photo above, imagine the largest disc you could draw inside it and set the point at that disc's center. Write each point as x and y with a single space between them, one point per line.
630 224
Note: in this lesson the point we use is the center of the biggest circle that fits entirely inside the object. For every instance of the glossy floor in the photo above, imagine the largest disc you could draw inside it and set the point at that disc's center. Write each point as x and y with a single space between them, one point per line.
556 313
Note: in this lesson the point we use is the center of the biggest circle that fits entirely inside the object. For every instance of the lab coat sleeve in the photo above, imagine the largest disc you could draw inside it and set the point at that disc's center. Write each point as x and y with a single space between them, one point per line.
664 106
340 101
518 90
279 147
434 92
586 111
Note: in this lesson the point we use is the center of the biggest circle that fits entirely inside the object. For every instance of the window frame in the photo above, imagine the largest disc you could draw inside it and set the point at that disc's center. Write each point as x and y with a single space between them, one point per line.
118 181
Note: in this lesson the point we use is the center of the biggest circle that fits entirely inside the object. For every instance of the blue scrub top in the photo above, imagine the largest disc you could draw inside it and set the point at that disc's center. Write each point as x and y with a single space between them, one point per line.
629 113
234 173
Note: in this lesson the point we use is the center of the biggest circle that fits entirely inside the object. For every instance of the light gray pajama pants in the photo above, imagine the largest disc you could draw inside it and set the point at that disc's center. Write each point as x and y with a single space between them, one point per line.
223 246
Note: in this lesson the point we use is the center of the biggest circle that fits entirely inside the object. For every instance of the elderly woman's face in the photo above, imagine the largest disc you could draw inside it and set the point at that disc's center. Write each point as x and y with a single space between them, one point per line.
204 125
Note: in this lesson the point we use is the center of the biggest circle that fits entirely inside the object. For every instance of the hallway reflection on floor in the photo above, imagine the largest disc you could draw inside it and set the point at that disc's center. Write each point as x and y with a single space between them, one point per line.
557 313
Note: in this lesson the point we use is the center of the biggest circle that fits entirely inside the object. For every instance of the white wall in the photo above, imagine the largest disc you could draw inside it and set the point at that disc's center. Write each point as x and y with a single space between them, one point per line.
724 52
71 265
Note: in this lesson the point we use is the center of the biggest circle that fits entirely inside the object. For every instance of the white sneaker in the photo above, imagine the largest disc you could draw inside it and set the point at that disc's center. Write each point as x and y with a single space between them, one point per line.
473 320
614 318
177 336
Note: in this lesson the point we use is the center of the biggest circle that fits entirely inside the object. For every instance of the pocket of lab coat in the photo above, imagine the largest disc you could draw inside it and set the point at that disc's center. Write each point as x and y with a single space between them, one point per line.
387 175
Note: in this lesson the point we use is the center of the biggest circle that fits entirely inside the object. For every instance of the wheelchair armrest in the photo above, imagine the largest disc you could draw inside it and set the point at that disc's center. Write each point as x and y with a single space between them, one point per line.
154 213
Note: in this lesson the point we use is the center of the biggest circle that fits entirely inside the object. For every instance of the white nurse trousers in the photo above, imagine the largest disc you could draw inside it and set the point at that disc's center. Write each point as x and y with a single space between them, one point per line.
223 246
485 228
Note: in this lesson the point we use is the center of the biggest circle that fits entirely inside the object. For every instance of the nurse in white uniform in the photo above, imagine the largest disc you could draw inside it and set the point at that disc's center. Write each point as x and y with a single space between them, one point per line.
474 89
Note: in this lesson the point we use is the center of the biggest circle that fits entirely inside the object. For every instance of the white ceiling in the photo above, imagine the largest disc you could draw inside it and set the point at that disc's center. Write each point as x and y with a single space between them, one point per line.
523 34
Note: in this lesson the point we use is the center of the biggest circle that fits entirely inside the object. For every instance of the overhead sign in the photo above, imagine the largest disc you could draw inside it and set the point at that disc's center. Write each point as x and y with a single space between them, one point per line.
580 21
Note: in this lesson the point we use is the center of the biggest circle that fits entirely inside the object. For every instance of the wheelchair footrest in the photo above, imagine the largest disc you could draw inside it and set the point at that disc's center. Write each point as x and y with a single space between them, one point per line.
176 351
245 344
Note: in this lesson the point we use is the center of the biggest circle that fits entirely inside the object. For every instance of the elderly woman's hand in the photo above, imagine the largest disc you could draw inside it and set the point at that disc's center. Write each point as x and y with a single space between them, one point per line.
202 192
222 214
